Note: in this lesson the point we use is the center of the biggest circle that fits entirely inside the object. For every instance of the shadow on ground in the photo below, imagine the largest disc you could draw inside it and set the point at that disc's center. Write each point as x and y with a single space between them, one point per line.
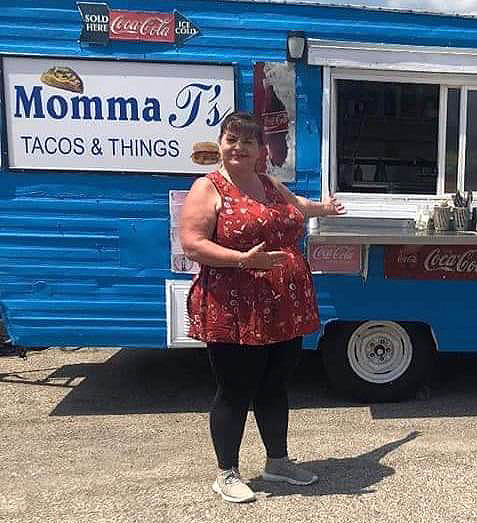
155 381
355 475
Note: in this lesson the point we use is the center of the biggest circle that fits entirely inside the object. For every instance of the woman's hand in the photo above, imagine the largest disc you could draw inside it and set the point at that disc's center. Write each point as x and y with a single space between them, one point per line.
332 206
258 258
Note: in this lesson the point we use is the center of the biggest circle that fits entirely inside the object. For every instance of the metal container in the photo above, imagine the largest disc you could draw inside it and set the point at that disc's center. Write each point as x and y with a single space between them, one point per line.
442 217
461 218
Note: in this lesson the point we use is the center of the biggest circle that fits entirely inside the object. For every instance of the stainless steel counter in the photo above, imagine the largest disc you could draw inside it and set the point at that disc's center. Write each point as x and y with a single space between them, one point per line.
365 236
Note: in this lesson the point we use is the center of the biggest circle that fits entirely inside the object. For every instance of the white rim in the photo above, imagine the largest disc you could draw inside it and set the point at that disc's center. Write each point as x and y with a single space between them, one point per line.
380 352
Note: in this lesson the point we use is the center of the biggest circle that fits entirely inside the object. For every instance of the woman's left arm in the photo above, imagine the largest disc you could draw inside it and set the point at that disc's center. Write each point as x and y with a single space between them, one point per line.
329 206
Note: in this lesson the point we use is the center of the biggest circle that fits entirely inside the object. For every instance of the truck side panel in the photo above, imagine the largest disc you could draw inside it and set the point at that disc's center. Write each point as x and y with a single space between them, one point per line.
350 298
84 256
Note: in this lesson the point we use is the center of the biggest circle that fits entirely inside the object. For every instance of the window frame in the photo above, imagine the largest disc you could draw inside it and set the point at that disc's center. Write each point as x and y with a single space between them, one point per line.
384 203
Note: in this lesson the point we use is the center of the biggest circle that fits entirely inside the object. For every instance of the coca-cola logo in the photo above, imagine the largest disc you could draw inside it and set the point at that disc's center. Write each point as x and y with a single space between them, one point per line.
431 262
337 253
438 260
275 122
100 24
148 27
407 258
334 258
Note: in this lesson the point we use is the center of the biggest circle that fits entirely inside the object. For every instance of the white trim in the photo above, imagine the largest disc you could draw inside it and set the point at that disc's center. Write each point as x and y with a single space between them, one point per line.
473 116
325 130
372 205
441 141
375 75
176 314
392 57
381 204
462 138
334 134
384 204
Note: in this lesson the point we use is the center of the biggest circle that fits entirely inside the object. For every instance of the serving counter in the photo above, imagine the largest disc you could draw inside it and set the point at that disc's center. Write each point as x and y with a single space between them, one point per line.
341 245
364 236
381 231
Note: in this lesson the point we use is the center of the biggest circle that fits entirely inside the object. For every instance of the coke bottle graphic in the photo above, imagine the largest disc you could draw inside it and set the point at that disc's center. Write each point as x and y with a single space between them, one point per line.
275 125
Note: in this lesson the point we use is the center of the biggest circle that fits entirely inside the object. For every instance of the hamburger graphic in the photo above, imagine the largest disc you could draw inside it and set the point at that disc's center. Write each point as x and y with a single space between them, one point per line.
205 153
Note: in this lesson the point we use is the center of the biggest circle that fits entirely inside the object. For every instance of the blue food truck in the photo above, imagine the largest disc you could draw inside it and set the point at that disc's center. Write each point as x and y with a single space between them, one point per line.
102 104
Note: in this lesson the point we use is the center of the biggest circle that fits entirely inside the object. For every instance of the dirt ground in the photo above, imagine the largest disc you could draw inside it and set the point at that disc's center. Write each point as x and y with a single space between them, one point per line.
122 436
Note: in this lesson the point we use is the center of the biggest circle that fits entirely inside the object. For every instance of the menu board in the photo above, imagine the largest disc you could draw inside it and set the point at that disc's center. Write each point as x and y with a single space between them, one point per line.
179 261
65 114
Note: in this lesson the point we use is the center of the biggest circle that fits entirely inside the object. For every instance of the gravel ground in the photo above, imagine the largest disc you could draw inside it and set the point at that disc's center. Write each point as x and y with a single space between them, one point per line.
122 436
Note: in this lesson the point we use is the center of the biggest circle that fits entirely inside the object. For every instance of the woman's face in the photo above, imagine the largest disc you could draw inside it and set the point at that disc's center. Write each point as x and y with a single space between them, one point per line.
239 152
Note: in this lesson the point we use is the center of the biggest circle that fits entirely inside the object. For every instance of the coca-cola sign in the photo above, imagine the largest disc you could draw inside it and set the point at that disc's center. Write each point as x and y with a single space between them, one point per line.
275 106
275 122
334 258
431 262
101 24
132 25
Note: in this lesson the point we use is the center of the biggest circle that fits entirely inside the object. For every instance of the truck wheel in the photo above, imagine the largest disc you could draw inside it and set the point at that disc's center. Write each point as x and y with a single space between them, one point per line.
378 360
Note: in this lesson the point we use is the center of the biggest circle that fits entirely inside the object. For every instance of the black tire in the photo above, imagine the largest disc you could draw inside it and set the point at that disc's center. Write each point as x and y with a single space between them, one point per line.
348 350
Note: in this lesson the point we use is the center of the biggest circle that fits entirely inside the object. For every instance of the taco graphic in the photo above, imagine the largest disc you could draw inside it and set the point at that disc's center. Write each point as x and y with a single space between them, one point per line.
63 78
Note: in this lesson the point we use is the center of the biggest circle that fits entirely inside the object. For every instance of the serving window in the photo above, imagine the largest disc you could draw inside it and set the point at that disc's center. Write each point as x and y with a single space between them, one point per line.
400 136
386 137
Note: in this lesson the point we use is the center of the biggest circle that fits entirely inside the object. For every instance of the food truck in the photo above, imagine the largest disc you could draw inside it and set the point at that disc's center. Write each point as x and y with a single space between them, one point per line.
102 104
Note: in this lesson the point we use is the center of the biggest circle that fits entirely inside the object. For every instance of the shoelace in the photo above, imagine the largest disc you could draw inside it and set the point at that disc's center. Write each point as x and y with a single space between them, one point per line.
232 477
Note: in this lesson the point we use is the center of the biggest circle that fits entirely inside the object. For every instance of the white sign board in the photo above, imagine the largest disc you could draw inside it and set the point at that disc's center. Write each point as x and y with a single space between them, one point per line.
179 261
112 116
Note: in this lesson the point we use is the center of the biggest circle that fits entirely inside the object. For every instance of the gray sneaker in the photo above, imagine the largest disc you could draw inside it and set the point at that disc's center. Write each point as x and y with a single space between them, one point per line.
282 469
232 488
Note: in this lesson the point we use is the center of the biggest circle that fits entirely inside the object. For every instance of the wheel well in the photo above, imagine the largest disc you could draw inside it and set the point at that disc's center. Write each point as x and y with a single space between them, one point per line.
333 325
350 367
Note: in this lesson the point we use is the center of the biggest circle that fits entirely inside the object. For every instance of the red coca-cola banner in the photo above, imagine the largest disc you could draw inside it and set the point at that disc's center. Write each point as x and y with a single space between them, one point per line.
431 262
135 25
331 258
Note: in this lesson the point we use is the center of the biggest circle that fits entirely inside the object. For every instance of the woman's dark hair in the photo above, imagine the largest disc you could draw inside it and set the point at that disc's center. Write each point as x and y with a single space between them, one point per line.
242 123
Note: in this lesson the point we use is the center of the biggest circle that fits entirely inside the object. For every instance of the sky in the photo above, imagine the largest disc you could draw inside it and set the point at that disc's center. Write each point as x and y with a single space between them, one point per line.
463 7
455 6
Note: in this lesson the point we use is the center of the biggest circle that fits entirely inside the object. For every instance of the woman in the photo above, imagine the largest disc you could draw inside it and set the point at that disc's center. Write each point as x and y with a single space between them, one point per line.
252 301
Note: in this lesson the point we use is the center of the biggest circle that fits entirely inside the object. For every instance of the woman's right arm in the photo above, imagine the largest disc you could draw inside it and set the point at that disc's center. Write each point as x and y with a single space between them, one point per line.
197 224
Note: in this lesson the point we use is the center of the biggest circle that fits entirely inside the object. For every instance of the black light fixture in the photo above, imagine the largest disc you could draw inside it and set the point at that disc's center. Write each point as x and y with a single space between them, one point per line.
296 46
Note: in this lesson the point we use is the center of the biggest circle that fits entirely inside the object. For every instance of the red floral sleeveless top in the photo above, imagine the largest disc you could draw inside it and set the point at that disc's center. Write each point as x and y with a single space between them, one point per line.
250 306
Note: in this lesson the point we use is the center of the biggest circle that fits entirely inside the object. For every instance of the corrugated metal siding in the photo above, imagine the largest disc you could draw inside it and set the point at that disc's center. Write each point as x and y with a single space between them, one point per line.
70 272
83 257
72 269
448 306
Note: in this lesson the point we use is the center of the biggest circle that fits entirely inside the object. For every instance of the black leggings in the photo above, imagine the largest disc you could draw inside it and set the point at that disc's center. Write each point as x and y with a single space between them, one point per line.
246 373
